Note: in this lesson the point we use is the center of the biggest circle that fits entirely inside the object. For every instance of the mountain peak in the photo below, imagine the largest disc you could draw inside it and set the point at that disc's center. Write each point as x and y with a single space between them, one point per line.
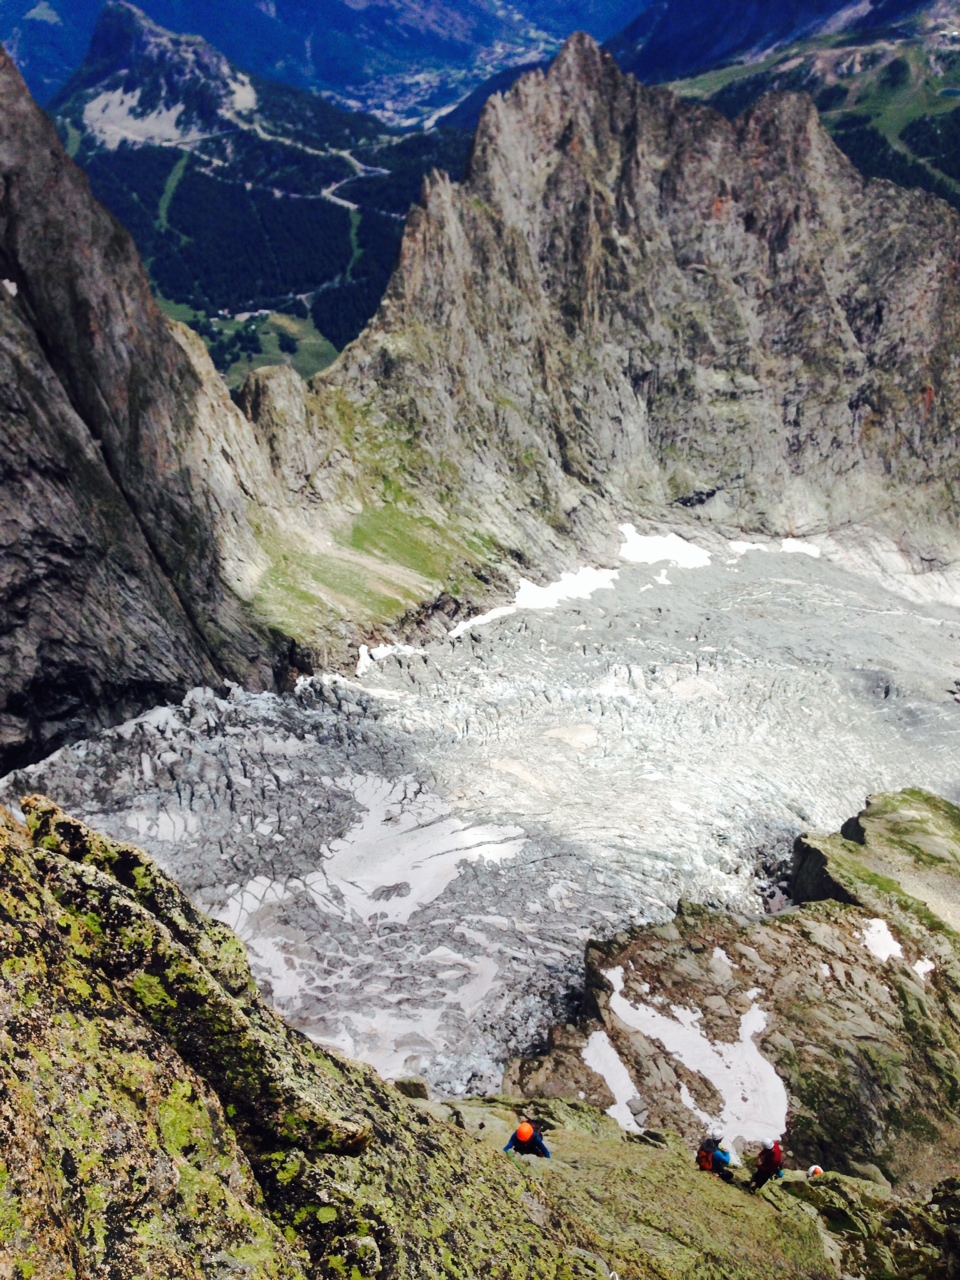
581 58
143 84
677 309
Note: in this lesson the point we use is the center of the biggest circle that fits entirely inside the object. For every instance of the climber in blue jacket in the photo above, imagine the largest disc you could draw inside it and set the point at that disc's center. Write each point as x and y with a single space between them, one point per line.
528 1142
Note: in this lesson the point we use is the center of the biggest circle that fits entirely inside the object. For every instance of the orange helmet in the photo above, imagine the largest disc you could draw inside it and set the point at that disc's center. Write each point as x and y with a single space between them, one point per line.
525 1132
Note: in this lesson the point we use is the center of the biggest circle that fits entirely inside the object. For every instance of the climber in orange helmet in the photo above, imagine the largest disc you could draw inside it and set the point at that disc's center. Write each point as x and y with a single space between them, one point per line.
527 1141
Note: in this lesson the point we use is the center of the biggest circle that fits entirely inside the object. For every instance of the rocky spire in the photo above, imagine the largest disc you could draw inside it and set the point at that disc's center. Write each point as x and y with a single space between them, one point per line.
633 297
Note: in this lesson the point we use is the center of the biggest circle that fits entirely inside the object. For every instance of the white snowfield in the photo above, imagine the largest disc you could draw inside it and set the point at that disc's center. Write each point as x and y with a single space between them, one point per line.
112 117
579 585
115 116
417 857
655 548
754 1096
600 1056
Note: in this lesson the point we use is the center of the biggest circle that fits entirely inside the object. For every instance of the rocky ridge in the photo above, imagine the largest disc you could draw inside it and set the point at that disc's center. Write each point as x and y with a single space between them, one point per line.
851 997
634 303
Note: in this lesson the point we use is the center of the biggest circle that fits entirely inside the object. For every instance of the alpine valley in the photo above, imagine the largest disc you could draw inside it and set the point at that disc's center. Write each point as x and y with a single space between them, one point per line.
246 198
546 711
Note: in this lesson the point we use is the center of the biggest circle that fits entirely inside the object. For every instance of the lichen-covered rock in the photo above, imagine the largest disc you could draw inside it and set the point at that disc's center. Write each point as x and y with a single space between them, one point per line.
157 1118
879 1236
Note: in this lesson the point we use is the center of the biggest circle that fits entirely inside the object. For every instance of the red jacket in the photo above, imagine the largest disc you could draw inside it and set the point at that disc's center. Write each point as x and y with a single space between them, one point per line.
770 1161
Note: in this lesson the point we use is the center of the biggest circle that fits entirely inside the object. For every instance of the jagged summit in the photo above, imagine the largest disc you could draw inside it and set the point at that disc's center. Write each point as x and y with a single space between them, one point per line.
143 84
634 297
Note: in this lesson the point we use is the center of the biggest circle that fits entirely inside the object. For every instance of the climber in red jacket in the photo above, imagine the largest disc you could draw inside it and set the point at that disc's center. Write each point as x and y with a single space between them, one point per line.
769 1165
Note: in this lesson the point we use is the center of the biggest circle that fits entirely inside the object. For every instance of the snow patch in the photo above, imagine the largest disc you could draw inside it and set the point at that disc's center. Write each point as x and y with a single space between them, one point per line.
798 546
653 548
600 1056
11 287
44 12
111 118
791 546
923 966
579 585
879 941
754 1097
244 95
571 586
741 548
369 657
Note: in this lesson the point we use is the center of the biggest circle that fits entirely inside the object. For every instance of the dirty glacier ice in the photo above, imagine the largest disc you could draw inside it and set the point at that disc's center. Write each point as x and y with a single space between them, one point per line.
417 855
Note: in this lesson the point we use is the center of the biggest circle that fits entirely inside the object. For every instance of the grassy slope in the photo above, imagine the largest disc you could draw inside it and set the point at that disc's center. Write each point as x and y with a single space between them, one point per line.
313 353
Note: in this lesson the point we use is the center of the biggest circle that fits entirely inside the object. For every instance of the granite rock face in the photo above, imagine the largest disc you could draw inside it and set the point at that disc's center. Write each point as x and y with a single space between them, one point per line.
151 535
632 302
122 525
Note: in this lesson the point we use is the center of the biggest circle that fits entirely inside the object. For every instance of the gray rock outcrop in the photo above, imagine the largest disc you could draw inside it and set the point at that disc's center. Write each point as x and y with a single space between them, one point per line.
151 536
851 999
108 559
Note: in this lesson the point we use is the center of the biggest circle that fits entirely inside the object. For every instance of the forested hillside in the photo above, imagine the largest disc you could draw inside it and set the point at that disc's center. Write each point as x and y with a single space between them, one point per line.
244 196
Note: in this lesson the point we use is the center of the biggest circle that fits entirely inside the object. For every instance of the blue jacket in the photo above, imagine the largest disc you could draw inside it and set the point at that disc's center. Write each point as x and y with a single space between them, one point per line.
535 1147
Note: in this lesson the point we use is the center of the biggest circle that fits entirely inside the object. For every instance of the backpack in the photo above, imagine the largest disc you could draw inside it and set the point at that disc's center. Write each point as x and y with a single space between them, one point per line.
705 1154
